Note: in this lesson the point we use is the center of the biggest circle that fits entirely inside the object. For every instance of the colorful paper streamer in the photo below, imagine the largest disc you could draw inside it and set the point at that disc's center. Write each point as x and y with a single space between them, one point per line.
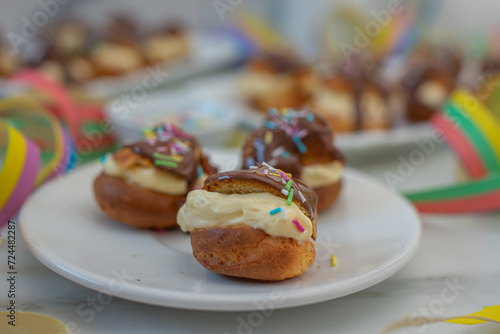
473 134
35 145
83 120
21 162
40 127
263 35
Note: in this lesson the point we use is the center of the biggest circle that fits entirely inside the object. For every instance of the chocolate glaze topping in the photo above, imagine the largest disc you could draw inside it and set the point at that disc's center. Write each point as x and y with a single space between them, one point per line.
258 174
279 62
186 158
290 139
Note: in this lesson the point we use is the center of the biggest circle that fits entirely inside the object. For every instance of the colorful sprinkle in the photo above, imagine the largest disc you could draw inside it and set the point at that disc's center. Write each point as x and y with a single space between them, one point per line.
274 174
290 197
250 161
260 149
284 176
165 163
283 212
253 167
302 133
167 157
200 172
299 144
288 185
285 154
284 192
104 158
148 133
269 125
178 148
274 211
298 226
310 117
302 198
268 137
271 168
277 152
266 171
334 260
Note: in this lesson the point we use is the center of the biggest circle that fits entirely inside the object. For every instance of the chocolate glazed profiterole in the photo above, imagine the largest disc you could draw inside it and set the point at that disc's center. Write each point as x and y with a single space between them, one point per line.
278 79
255 223
353 97
301 143
146 182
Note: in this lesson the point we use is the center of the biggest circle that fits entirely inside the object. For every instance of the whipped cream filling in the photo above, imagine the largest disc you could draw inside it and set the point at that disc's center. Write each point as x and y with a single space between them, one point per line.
338 104
319 175
165 47
117 57
432 94
374 110
205 209
150 178
256 84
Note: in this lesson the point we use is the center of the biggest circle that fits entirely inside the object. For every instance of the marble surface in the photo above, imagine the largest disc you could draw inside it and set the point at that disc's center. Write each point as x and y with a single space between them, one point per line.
455 271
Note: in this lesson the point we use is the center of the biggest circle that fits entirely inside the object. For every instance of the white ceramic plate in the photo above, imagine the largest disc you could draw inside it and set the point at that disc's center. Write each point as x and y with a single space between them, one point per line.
372 231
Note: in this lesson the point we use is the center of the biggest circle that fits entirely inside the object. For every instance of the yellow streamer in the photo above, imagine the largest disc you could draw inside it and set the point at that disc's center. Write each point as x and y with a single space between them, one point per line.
23 104
481 117
13 164
487 314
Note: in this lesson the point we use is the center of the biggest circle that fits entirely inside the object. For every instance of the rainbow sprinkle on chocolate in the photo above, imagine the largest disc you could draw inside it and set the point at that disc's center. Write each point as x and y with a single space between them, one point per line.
174 151
286 136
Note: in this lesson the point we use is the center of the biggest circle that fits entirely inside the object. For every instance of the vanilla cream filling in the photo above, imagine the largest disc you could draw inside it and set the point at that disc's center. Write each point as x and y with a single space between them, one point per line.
205 209
257 84
117 57
374 110
319 175
338 104
150 178
431 94
164 47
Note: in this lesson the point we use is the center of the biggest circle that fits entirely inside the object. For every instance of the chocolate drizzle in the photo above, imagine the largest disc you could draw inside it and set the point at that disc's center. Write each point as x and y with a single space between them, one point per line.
263 174
279 62
290 139
166 140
